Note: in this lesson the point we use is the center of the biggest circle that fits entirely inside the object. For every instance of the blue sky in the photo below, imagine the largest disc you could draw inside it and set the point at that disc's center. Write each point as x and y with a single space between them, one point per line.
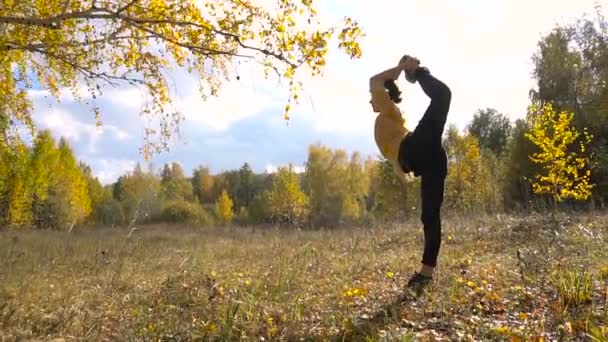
481 49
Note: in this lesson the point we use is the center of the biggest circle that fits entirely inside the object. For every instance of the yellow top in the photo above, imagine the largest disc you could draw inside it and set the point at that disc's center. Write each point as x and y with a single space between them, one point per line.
389 128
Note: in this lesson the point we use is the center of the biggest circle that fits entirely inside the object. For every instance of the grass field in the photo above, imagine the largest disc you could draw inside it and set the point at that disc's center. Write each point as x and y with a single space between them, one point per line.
500 278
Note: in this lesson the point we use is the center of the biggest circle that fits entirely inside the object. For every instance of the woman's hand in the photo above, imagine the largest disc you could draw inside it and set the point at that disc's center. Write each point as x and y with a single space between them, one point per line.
409 64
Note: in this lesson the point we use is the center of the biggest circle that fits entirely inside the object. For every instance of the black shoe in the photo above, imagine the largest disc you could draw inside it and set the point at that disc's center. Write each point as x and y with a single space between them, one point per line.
418 282
413 77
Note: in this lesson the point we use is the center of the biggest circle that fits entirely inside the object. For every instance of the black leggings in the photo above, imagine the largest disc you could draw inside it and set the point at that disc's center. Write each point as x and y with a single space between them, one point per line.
422 153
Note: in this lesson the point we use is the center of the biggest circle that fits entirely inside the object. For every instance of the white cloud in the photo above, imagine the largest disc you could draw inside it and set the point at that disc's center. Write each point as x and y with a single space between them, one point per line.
270 168
65 94
236 101
109 170
63 124
130 98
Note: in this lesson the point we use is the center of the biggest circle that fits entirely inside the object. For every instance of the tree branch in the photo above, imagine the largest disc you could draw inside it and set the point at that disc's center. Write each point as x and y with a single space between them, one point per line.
66 4
114 36
87 72
54 22
126 7
49 22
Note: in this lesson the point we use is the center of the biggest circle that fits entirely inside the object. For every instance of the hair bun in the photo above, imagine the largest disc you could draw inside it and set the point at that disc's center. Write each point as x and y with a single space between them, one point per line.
393 91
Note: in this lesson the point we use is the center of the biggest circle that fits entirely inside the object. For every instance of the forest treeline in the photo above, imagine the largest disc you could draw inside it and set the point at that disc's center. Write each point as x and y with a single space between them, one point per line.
491 168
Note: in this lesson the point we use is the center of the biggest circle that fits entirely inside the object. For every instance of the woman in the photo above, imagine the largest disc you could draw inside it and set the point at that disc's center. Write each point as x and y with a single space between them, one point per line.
419 152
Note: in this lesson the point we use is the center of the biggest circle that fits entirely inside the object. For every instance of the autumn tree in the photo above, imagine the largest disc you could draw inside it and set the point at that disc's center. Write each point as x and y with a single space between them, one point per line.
45 163
324 183
224 208
463 152
392 199
139 193
94 189
202 185
228 181
174 184
471 184
566 172
70 196
15 182
61 45
287 203
357 187
571 73
5 175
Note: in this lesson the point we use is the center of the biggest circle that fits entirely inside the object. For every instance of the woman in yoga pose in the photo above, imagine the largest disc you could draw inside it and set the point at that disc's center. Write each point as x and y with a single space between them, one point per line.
419 152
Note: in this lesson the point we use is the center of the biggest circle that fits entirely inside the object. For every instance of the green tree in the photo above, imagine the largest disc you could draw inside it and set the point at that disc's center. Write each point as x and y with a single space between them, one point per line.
492 130
175 186
180 211
109 211
518 168
58 44
259 212
140 195
556 70
287 203
246 187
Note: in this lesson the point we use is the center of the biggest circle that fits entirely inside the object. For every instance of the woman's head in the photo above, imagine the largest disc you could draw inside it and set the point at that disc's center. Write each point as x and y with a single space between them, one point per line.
393 93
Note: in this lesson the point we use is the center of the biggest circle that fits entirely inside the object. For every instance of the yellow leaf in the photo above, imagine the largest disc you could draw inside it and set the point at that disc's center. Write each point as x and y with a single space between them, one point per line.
502 330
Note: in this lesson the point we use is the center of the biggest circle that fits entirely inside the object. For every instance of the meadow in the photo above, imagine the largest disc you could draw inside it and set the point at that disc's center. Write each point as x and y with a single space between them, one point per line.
504 278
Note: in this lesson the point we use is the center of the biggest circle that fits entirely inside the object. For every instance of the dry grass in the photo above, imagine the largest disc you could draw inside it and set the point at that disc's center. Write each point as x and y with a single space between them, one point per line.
501 278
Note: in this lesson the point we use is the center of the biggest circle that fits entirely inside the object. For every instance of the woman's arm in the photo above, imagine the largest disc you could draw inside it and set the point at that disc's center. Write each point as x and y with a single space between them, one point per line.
377 81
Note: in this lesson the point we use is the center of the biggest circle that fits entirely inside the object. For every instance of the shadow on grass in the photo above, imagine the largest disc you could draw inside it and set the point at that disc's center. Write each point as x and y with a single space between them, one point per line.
364 328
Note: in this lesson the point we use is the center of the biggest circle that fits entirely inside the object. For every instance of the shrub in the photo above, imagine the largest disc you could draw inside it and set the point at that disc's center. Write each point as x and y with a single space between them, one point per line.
185 212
